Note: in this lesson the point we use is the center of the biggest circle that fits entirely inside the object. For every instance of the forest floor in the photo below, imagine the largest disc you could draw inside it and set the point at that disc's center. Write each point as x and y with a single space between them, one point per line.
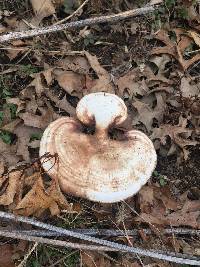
153 63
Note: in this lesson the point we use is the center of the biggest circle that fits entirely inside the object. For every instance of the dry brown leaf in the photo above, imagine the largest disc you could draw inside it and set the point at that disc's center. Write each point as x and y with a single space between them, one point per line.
190 206
130 84
48 75
37 84
41 81
2 177
94 259
169 47
70 81
15 100
154 80
157 219
180 218
188 89
4 147
156 202
14 178
146 199
146 114
42 9
3 29
8 154
16 48
179 134
176 49
37 121
195 36
103 84
24 133
10 127
181 212
2 169
77 64
160 62
6 116
37 200
177 218
6 256
14 24
164 195
61 103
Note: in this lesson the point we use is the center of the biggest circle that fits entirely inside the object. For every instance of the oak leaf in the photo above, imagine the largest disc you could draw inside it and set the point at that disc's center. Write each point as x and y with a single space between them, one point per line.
13 178
37 200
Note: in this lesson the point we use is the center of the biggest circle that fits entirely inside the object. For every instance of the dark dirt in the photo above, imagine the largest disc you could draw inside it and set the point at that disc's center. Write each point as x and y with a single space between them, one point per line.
182 177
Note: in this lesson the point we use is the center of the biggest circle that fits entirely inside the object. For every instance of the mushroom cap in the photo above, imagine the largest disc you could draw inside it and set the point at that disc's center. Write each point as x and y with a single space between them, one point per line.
95 166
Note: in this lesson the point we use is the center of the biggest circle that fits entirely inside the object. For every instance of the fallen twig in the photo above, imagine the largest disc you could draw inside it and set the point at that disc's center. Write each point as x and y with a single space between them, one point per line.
113 232
23 262
177 257
76 24
73 14
168 256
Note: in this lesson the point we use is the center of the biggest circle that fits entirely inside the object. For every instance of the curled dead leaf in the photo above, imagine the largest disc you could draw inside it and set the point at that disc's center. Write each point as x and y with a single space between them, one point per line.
103 83
70 81
94 259
6 255
176 48
179 134
77 64
24 134
130 84
17 47
37 121
61 103
13 179
146 114
37 200
42 9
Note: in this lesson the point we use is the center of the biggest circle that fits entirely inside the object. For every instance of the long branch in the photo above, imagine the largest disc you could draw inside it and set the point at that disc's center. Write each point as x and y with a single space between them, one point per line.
176 258
76 24
114 232
123 248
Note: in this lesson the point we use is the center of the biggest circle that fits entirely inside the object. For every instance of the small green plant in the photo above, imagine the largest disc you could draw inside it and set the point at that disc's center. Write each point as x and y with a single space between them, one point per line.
6 137
89 39
161 178
12 108
35 136
182 13
27 70
170 3
70 6
46 255
1 117
4 89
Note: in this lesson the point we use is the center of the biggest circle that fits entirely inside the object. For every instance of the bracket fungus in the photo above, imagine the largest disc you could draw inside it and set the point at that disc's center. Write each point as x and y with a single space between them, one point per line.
95 165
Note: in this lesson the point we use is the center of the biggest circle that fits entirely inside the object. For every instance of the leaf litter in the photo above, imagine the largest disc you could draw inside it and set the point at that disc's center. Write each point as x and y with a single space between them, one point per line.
162 101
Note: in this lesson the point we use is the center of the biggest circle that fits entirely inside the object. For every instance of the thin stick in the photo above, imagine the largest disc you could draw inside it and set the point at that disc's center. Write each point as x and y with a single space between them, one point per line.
76 24
73 14
119 247
177 258
23 262
54 242
111 232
